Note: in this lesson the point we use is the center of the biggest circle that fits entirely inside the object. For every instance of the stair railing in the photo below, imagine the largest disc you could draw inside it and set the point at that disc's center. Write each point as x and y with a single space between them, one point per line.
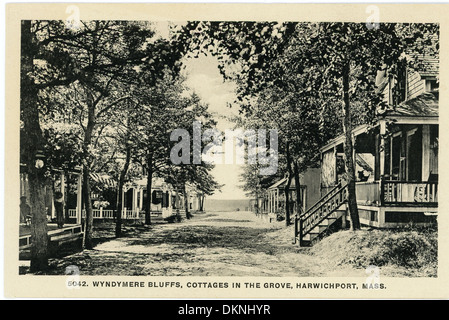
321 210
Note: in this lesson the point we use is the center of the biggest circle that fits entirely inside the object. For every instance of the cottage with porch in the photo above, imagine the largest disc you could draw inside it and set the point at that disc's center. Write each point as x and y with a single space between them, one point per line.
396 162
272 203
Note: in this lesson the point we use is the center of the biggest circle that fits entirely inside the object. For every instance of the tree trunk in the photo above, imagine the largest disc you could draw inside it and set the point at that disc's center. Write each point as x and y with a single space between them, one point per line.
89 220
348 150
287 185
149 193
202 197
39 228
32 143
299 203
124 171
118 217
256 206
186 202
287 199
177 204
91 119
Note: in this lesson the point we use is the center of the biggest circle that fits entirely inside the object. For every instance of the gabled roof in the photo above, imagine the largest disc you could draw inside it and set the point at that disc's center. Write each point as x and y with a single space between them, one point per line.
421 109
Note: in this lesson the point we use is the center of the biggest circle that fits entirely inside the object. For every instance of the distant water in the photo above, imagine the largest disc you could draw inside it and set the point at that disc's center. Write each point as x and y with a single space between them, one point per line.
225 205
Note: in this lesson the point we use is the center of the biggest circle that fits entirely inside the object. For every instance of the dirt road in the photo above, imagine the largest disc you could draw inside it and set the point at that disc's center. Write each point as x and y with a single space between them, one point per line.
211 244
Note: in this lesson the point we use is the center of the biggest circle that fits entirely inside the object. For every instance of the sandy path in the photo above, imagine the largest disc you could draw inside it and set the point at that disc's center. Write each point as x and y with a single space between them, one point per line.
213 244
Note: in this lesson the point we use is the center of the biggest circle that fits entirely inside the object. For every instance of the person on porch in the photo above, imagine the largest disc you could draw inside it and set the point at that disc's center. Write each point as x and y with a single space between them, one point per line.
59 208
25 210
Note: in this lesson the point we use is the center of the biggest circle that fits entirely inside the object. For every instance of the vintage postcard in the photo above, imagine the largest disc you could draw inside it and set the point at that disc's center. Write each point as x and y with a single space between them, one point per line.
218 151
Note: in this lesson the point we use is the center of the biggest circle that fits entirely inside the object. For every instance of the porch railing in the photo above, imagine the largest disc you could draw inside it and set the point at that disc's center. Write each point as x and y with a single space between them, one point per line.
368 192
396 192
322 209
392 192
107 214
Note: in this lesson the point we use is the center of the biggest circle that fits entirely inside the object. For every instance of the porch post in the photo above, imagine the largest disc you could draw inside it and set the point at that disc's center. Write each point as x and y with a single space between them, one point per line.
134 208
169 204
425 152
383 130
335 165
123 204
270 201
141 199
277 199
52 198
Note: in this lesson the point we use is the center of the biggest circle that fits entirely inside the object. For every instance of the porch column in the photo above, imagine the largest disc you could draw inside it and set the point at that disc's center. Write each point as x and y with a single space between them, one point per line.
134 207
169 204
383 130
64 204
425 152
22 185
79 208
52 196
335 165
277 199
141 199
269 201
121 213
63 186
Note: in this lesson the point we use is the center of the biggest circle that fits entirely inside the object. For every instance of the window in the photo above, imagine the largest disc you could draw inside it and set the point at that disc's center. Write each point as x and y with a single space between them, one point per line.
431 85
397 160
414 154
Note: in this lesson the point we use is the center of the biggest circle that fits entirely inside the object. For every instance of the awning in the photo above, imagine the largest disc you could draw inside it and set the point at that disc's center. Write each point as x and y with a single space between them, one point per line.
104 180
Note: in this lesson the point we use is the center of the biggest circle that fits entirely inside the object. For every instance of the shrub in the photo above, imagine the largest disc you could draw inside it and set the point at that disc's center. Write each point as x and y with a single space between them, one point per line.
412 249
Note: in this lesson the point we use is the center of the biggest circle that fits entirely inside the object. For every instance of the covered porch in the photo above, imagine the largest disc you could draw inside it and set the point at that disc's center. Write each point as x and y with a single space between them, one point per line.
63 188
396 169
275 198
135 199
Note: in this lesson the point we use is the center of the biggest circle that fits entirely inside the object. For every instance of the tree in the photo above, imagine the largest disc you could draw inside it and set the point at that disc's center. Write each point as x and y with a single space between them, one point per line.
161 106
190 170
349 55
32 141
87 62
252 55
123 150
334 63
205 184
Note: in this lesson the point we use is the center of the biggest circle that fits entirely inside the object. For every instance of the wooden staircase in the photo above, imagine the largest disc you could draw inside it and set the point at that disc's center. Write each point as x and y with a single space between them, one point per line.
318 219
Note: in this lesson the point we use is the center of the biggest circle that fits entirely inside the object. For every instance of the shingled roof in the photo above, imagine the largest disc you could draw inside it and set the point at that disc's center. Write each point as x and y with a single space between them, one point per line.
424 105
282 183
427 65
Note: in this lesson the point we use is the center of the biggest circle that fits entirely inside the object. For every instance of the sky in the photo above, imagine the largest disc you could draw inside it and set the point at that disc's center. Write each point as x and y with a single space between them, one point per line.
204 78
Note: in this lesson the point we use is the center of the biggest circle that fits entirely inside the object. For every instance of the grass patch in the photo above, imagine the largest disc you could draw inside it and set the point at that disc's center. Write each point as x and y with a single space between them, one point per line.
410 252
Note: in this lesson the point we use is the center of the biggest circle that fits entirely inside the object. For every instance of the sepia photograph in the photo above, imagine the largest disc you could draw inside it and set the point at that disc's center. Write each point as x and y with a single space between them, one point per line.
201 156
